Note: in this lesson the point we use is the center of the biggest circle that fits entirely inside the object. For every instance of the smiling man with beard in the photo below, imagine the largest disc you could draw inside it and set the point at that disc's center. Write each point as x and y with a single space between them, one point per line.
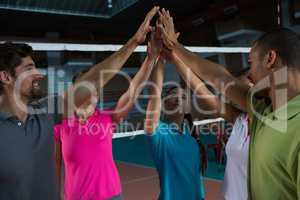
27 169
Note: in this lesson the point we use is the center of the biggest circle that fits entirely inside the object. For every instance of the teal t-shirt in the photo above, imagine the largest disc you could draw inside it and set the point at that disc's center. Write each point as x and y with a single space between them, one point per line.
177 159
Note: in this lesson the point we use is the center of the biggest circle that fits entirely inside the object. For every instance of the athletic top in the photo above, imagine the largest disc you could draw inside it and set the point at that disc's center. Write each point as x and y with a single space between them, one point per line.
91 172
27 165
237 151
274 150
177 159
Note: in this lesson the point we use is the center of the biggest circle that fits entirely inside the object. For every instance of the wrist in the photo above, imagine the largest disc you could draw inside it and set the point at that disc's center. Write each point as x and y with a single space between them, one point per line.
152 58
174 45
173 51
134 41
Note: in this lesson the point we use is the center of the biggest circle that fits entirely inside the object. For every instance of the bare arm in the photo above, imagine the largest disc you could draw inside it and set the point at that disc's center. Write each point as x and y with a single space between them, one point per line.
102 72
127 100
198 86
207 70
154 103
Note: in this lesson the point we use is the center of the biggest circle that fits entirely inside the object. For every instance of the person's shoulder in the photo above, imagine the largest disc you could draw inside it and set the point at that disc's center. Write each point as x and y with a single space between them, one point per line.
103 113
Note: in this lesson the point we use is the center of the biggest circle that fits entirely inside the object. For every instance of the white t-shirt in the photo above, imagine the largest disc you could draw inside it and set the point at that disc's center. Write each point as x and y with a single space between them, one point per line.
237 148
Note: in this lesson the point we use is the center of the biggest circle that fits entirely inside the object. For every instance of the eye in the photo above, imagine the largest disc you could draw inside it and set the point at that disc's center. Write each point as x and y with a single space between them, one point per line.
30 67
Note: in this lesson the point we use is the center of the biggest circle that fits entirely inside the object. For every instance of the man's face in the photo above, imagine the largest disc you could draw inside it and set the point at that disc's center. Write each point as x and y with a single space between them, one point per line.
258 66
27 79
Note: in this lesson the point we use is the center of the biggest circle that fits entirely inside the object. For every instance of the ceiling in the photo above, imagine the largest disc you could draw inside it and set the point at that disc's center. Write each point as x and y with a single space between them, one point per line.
86 8
90 21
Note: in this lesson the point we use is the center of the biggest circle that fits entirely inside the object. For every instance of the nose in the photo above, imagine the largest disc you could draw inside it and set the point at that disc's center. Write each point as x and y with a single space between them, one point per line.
38 75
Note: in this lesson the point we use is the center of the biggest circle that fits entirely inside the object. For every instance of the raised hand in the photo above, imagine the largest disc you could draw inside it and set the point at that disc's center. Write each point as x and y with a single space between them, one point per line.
145 28
166 28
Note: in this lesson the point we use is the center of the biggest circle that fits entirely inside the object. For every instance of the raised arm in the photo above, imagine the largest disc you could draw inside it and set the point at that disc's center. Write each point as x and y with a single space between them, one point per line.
127 100
205 69
154 103
213 102
102 72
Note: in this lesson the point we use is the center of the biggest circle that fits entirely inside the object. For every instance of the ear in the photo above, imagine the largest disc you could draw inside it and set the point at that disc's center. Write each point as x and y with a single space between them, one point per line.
271 59
5 77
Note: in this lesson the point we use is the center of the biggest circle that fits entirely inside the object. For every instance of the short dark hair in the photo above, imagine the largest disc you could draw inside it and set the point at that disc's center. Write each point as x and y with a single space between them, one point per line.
11 55
285 42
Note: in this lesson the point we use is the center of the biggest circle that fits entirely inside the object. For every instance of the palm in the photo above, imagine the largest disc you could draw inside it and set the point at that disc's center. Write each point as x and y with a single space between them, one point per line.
142 32
167 29
145 27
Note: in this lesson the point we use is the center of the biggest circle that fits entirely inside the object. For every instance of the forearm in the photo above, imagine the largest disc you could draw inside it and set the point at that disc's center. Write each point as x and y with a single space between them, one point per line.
207 70
213 73
154 103
142 76
127 100
213 103
96 78
197 85
102 72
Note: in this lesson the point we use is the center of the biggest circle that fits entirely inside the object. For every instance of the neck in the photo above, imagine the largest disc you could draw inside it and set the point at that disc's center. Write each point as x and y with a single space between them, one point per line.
280 94
84 112
10 105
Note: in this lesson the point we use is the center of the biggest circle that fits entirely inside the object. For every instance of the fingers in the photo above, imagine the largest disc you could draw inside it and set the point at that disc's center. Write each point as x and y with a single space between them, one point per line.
168 13
148 18
166 19
161 29
164 35
166 29
162 18
151 13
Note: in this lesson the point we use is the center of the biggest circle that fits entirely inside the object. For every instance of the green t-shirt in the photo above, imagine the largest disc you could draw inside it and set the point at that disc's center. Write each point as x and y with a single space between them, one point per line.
274 167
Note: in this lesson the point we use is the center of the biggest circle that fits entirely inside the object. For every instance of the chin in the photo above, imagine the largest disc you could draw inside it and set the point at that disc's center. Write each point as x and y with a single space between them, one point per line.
34 95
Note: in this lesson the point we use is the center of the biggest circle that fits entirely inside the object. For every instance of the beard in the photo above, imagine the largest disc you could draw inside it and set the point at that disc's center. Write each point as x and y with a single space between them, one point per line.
36 92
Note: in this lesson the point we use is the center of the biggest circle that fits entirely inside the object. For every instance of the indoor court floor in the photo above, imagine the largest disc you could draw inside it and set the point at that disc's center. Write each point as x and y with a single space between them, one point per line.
141 183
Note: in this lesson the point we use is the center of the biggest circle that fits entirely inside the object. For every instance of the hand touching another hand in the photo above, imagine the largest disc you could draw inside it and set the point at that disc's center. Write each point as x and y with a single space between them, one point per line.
145 27
166 28
154 46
